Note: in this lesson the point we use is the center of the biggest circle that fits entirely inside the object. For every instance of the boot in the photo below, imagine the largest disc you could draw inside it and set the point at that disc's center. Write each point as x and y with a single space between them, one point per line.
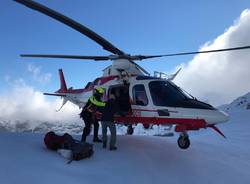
96 139
104 145
113 148
83 139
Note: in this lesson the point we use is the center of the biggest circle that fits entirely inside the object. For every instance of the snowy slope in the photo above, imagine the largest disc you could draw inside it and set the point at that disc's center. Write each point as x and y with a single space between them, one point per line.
139 159
241 103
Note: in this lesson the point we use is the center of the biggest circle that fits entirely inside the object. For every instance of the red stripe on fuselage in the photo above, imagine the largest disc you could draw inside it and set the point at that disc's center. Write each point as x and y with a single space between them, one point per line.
104 80
98 81
197 123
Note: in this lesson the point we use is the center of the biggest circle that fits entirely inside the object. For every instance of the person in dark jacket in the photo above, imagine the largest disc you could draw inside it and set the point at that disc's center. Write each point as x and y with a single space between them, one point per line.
107 121
88 114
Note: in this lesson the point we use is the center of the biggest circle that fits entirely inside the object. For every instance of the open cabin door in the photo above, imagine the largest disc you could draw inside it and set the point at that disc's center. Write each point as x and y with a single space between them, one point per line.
121 93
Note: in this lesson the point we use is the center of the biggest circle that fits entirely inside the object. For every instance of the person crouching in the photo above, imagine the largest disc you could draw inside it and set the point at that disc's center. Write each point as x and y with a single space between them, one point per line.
107 121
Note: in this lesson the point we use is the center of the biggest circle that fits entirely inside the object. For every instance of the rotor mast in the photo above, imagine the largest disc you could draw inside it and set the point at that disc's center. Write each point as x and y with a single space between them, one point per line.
122 65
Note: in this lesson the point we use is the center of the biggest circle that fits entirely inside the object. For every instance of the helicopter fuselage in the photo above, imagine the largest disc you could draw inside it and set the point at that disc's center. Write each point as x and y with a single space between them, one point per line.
150 100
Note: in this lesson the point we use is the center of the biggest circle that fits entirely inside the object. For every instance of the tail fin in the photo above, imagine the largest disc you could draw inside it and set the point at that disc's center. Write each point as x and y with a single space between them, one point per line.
63 86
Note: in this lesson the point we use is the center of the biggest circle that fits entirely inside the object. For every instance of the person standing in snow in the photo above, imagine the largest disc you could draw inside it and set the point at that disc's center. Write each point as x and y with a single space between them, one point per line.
88 114
107 121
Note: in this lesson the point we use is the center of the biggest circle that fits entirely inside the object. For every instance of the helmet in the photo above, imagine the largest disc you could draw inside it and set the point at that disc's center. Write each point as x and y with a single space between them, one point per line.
99 90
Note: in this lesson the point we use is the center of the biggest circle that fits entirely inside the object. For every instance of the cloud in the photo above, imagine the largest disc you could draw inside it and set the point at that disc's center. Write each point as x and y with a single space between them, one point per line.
38 75
220 77
24 103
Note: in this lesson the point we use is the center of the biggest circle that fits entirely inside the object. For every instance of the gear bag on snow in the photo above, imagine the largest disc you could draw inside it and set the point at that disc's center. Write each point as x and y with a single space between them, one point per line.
79 150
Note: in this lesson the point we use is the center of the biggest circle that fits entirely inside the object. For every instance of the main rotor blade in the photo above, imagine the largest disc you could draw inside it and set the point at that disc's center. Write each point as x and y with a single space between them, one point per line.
96 58
141 57
73 24
140 68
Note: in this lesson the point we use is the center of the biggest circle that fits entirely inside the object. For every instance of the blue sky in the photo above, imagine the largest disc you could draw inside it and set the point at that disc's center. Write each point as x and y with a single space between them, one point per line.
137 27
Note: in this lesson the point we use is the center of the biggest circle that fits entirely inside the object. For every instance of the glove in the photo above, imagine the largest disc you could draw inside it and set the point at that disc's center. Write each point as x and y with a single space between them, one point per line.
98 115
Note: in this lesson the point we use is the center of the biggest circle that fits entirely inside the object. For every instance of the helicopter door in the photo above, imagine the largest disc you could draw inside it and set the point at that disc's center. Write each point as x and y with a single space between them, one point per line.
121 93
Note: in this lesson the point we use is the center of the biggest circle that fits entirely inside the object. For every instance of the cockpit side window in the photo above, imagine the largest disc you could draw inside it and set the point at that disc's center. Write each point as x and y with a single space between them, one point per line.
164 94
140 95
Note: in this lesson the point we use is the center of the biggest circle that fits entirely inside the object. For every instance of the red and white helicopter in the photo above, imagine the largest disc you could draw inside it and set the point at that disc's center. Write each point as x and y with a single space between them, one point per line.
146 99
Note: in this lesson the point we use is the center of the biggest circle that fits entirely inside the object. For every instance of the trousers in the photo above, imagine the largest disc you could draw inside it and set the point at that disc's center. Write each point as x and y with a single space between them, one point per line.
112 128
87 129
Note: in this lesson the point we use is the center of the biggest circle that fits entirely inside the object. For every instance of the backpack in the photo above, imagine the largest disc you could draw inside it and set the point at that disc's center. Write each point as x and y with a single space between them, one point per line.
79 149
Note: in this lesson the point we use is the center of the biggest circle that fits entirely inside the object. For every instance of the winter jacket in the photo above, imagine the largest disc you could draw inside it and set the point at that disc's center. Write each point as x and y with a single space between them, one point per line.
109 110
93 104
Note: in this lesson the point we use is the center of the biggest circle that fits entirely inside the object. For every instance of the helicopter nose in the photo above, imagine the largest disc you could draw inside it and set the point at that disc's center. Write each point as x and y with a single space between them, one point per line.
222 117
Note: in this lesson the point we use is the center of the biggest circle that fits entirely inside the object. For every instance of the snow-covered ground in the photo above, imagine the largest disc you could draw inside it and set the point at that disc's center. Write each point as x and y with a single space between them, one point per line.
139 158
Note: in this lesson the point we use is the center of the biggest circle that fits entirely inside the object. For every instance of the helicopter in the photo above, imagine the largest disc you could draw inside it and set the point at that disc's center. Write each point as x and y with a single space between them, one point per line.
146 99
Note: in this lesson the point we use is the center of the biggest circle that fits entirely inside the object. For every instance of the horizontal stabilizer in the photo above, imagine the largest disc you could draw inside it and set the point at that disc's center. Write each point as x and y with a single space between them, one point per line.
54 94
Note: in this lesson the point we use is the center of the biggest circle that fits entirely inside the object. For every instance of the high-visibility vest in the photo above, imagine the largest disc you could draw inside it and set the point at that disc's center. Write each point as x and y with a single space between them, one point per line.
96 102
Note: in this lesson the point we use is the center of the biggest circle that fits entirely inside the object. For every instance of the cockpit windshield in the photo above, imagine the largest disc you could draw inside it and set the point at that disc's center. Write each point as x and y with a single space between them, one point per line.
185 93
165 93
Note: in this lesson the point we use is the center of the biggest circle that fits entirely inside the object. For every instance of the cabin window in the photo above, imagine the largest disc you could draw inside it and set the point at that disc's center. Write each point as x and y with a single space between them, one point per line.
165 94
140 95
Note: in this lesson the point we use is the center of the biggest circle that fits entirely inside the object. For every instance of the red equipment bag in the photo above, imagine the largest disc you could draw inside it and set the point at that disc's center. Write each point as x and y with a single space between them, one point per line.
79 149
55 142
